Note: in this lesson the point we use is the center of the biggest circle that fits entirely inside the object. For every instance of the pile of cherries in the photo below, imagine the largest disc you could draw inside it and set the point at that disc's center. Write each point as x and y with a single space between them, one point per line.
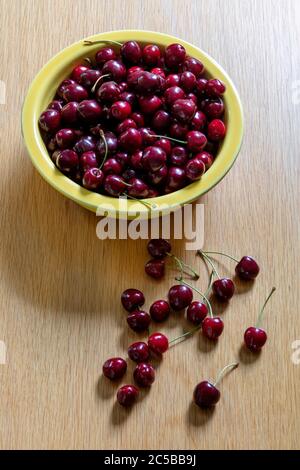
135 120
198 312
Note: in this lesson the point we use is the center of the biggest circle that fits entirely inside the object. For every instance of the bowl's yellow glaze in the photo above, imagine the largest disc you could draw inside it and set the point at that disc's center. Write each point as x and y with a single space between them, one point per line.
59 67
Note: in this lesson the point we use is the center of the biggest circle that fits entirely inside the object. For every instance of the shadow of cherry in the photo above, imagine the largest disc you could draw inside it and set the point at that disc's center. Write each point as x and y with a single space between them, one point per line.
197 416
206 345
248 357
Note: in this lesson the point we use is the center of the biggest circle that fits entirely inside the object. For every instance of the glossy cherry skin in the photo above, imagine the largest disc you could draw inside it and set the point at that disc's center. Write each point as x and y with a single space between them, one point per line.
128 174
151 55
93 179
153 158
77 71
149 104
172 94
132 299
67 161
196 312
138 119
65 138
130 140
116 69
176 179
213 108
144 374
173 79
155 268
85 144
196 141
187 81
180 296
75 92
138 188
179 156
215 87
114 368
111 142
255 338
88 78
108 92
178 130
159 248
194 169
158 177
88 160
127 395
112 167
129 97
139 352
69 113
206 158
161 120
212 328
247 269
223 289
56 104
104 54
136 160
131 52
124 125
90 110
114 185
193 65
216 130
159 71
148 136
50 120
120 110
184 110
164 144
139 320
206 394
148 82
199 121
159 310
174 55
158 343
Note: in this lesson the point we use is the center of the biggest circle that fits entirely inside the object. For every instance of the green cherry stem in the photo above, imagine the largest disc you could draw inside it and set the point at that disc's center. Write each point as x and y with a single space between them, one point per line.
211 277
146 204
260 315
86 42
207 258
98 80
185 335
184 142
106 148
222 254
221 374
198 292
181 264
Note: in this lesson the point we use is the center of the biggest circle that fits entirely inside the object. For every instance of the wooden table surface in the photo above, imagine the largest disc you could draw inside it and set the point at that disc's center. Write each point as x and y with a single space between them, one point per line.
60 314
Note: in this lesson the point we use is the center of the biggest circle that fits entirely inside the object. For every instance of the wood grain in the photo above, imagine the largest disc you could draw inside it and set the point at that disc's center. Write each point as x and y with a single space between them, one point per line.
60 315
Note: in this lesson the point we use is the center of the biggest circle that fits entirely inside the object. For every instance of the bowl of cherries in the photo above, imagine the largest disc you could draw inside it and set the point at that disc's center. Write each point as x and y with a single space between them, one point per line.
133 115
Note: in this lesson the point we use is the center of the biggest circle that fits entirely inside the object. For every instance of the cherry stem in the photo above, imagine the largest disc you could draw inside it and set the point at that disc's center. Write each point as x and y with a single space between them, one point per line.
260 315
171 138
146 204
88 60
185 335
207 258
182 264
221 374
220 253
98 80
86 42
209 283
198 292
106 148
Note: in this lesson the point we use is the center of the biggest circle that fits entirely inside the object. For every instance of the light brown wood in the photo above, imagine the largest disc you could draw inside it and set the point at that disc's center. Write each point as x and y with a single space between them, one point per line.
60 314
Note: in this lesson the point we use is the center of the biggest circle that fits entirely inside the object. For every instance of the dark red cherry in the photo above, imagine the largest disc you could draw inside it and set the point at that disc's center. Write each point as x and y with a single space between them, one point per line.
151 55
159 248
124 125
213 108
88 160
187 81
130 140
61 88
178 130
159 71
148 82
223 289
114 368
69 113
120 110
139 320
67 161
193 65
184 110
148 136
158 177
192 97
128 97
50 120
128 174
155 268
90 110
132 299
144 374
123 87
153 158
160 310
158 343
215 87
85 144
179 156
65 138
199 121
164 144
56 104
200 87
138 188
92 179
131 52
194 169
114 185
138 119
127 395
104 54
139 352
206 158
77 71
196 312
111 142
115 69
112 166
212 327
255 338
195 141
176 179
75 92
108 92
174 55
123 158
88 78
161 120
216 130
136 160
173 79
247 268
173 94
149 104
206 394
180 297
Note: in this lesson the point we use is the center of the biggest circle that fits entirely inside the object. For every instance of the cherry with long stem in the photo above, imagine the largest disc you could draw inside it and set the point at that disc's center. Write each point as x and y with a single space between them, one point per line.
98 80
260 315
223 288
198 292
246 268
184 335
102 135
225 369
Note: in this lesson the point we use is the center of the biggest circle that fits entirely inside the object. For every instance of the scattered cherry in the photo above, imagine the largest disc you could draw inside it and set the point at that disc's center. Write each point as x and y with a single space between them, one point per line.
132 299
144 374
159 310
155 268
139 351
206 393
114 368
158 343
139 320
127 395
223 289
180 296
196 312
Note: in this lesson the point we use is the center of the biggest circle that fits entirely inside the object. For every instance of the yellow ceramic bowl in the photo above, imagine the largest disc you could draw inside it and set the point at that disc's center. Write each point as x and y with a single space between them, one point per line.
43 89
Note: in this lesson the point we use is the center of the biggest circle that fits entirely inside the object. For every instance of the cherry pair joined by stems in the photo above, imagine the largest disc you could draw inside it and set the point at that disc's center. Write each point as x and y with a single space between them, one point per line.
246 268
223 288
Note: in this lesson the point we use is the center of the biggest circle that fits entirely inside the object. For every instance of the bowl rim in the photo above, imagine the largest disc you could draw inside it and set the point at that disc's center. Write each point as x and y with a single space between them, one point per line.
127 209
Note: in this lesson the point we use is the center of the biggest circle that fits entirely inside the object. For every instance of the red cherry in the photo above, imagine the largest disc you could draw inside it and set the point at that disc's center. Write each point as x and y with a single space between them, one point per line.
199 121
164 144
148 136
216 130
176 179
93 178
172 94
158 343
88 78
215 87
120 110
139 352
153 158
88 160
155 268
138 119
56 104
130 140
77 71
159 310
112 167
193 65
200 87
206 158
114 368
116 69
180 296
151 54
172 80
223 289
127 395
61 88
213 108
149 104
132 299
159 176
104 54
137 189
195 141
69 113
161 120
124 125
67 161
247 268
131 52
194 169
206 394
139 320
159 71
179 156
128 97
90 110
50 120
75 92
174 55
178 130
108 92
65 138
187 81
159 248
144 374
212 327
196 312
184 110
255 338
